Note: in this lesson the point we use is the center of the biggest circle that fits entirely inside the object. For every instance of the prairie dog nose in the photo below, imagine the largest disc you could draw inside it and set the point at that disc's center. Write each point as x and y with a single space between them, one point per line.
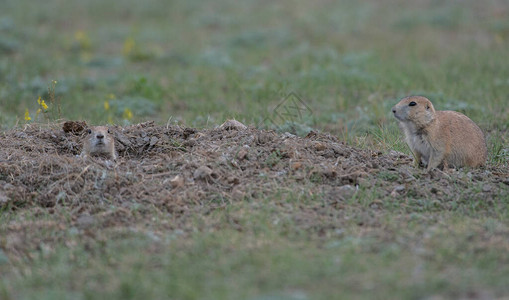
100 136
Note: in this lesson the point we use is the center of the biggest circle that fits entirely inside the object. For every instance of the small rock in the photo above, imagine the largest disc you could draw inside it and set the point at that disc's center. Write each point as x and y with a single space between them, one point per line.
296 165
8 186
234 163
200 135
145 124
330 172
397 154
410 179
478 177
288 135
153 141
242 154
376 203
281 173
202 172
263 138
363 182
223 160
407 174
21 135
319 146
233 180
62 195
486 188
311 134
238 194
347 191
122 139
189 143
177 181
3 198
399 189
438 174
232 124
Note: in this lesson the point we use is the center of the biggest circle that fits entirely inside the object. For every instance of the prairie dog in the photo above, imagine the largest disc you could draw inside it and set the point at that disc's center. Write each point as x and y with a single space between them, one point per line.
99 142
440 138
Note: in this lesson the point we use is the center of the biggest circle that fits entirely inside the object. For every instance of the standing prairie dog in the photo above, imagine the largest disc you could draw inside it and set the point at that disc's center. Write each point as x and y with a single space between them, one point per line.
440 138
99 142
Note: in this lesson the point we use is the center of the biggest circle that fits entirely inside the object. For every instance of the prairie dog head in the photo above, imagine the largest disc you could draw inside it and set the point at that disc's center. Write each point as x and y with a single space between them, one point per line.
99 141
414 109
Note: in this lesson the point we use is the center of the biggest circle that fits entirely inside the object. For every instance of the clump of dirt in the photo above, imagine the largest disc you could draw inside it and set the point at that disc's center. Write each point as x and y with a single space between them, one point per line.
175 169
74 126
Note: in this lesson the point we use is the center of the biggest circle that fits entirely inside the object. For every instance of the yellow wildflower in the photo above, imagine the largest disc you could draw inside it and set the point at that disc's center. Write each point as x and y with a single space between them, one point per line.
111 96
42 103
79 35
106 105
82 38
128 46
55 82
128 114
27 115
38 112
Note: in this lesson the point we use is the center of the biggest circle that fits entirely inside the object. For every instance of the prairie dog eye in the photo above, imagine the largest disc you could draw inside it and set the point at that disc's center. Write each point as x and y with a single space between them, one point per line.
109 131
412 103
89 131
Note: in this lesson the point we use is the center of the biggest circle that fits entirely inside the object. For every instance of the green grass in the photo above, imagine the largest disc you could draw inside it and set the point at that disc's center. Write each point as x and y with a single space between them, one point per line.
189 60
201 62
255 257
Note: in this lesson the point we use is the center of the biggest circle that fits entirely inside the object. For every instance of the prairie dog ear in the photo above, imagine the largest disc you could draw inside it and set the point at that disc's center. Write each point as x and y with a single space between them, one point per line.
430 116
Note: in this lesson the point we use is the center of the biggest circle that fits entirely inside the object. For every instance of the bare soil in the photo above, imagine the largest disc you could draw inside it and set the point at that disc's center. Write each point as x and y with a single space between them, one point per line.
185 171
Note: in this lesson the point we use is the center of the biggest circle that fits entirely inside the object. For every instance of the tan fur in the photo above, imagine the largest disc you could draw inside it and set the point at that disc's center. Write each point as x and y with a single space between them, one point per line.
440 138
99 142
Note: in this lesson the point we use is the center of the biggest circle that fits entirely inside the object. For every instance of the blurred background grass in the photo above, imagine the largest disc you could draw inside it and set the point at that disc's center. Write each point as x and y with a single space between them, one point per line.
201 62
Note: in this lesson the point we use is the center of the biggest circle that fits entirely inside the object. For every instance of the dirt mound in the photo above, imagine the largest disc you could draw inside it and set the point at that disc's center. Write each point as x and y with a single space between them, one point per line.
175 168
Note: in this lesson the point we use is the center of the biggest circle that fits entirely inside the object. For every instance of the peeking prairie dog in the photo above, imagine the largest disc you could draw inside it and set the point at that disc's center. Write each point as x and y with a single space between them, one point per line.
440 138
99 142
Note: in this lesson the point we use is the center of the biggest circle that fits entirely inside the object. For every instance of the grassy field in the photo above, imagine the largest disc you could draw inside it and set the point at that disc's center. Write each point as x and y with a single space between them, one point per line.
198 63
